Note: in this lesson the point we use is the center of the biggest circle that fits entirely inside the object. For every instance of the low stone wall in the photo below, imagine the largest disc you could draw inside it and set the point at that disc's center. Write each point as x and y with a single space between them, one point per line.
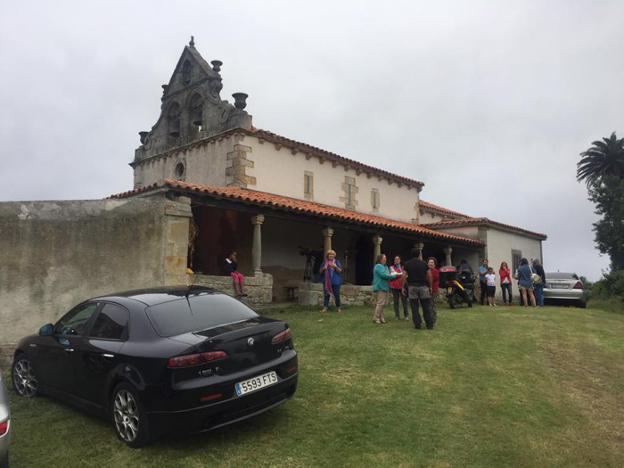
311 294
259 288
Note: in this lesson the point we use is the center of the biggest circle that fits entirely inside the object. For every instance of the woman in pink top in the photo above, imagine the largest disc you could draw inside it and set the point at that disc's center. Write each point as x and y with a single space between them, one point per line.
397 287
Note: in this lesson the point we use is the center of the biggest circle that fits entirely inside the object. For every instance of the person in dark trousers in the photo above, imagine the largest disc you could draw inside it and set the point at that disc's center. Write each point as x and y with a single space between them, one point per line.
397 287
483 269
538 288
419 283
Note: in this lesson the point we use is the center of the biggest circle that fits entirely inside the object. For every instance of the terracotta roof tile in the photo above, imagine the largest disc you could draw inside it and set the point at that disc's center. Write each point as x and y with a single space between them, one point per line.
298 206
440 209
484 222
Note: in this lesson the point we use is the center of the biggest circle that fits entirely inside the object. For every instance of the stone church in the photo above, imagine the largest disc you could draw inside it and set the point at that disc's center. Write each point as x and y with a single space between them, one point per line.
208 181
271 198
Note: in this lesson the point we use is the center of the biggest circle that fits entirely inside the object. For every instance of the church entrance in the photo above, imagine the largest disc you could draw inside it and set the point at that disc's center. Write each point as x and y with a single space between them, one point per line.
364 260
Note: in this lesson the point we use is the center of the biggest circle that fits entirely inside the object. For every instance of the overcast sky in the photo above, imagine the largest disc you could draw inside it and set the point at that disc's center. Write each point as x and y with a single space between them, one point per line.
488 103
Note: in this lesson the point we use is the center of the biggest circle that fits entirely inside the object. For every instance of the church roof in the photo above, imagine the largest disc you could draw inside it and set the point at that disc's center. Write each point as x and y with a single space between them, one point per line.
484 222
427 206
295 205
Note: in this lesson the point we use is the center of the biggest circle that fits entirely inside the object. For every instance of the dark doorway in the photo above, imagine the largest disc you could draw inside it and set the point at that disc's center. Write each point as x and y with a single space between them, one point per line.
364 260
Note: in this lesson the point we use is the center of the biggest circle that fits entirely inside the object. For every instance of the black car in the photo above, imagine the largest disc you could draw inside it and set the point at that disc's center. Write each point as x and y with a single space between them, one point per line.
161 360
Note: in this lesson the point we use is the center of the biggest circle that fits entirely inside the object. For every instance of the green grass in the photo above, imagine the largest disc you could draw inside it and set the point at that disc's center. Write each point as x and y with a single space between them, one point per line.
510 386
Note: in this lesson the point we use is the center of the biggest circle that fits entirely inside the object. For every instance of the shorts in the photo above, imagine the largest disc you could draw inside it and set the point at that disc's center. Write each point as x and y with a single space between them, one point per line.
418 292
526 288
491 290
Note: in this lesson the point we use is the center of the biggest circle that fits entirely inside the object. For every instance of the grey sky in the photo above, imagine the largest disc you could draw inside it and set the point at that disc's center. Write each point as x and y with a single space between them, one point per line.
488 103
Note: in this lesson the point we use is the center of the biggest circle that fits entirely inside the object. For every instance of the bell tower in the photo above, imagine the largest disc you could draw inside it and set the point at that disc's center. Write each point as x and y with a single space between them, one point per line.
192 108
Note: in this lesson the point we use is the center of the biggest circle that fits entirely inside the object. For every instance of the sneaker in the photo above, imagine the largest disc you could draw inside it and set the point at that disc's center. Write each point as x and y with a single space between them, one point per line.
377 322
406 317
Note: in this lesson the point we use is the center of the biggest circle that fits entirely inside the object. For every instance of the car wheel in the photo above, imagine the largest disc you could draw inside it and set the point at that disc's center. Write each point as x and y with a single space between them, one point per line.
4 463
582 304
24 381
128 415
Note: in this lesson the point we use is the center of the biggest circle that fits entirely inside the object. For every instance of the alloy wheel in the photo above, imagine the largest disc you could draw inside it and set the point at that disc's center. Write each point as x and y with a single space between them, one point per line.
24 379
126 415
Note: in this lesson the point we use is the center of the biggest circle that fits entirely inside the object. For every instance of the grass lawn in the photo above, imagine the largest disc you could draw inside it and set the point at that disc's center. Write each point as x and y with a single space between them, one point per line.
488 387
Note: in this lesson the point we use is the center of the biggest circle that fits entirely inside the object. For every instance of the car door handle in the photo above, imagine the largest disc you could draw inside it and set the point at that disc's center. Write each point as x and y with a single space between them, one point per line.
68 350
108 355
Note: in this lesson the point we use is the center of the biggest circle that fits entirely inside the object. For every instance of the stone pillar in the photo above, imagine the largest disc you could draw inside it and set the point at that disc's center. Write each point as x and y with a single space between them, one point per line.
377 240
327 239
447 252
256 246
419 246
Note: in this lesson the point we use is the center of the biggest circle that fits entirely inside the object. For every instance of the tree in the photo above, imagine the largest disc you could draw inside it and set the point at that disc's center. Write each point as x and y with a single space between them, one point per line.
602 169
603 158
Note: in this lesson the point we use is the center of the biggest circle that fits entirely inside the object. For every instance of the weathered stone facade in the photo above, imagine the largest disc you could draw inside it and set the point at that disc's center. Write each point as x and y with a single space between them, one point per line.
192 108
59 253
259 288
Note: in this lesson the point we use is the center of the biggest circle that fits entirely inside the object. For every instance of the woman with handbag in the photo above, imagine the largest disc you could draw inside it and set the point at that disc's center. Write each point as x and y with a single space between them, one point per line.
332 280
539 280
525 283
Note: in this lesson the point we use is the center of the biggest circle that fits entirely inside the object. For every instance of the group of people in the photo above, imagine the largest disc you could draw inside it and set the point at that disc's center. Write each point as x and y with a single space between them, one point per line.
416 283
531 280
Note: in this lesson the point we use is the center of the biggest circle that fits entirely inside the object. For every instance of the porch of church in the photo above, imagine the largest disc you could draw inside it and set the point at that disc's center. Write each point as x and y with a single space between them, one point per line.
280 250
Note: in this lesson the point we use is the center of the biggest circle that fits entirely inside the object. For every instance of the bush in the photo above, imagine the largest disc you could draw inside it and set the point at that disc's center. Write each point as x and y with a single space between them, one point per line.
608 293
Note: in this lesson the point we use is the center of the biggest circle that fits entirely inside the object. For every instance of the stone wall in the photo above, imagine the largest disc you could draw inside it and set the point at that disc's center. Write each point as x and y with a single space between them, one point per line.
259 288
54 254
311 294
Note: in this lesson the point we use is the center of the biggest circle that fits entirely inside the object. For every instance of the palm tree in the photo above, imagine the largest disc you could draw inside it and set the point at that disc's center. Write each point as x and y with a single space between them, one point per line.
603 158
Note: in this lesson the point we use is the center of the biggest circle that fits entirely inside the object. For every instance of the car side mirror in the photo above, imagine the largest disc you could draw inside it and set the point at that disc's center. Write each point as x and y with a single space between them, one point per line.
46 330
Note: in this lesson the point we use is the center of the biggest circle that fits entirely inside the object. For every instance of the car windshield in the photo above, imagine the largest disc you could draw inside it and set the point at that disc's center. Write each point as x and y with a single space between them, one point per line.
558 275
196 313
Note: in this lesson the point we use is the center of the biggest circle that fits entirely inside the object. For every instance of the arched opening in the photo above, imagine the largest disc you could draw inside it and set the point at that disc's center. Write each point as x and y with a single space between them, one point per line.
180 171
186 72
196 113
173 120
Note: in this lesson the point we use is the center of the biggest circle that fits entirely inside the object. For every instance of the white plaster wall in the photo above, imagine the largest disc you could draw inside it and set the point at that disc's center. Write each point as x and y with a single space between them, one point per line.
281 172
501 243
205 164
466 231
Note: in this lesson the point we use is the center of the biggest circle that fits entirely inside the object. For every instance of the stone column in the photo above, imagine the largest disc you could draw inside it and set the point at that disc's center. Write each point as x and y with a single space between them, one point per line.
327 239
447 252
377 240
256 246
419 246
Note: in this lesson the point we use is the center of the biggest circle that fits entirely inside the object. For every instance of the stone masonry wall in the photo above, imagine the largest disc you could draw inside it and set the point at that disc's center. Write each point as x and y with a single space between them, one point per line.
55 254
259 288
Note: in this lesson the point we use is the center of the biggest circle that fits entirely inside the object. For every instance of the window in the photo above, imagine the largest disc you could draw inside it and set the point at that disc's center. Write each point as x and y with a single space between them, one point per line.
308 184
111 323
74 323
350 191
198 313
186 72
179 171
516 256
375 199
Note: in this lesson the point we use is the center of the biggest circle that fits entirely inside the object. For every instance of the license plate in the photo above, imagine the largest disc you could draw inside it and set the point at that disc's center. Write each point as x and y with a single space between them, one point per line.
559 286
256 383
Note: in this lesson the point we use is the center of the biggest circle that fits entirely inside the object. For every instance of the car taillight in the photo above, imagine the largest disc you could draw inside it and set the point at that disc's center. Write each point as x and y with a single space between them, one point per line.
4 427
198 359
282 336
578 285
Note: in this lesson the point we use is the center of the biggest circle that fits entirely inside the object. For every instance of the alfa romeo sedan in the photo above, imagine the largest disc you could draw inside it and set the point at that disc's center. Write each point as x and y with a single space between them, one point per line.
157 361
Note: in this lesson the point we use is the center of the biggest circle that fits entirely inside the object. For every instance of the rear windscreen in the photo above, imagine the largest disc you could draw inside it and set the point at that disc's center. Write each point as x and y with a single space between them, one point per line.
558 275
196 313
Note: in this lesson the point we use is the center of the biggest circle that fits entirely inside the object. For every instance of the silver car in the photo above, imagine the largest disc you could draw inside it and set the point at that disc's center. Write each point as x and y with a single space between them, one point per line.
5 425
566 287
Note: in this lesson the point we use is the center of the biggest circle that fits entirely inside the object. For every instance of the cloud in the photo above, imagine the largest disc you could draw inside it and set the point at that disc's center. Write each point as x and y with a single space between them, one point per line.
488 103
